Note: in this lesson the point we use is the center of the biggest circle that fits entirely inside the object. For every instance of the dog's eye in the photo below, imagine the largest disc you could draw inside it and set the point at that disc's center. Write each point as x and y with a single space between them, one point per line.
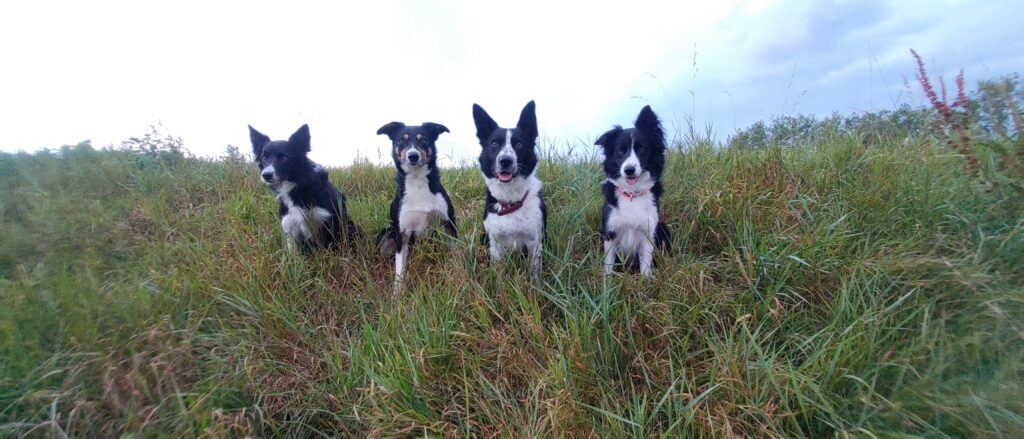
494 145
423 141
519 145
401 142
282 157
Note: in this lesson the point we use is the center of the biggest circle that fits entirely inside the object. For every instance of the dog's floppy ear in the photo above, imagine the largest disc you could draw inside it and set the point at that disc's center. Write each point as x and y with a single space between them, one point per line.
608 137
434 129
391 129
485 125
647 122
300 139
258 141
528 120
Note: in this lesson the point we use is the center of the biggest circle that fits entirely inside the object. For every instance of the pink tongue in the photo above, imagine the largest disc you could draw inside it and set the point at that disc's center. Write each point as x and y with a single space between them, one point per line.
632 180
505 176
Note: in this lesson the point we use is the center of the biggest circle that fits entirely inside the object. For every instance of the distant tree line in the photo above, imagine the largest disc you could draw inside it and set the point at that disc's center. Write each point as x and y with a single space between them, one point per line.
993 111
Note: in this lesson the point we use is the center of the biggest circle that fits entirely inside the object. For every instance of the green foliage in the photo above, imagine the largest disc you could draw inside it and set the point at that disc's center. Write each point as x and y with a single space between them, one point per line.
850 289
905 124
998 103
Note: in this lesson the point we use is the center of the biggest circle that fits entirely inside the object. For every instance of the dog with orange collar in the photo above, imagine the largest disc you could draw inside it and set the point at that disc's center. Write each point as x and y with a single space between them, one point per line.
631 224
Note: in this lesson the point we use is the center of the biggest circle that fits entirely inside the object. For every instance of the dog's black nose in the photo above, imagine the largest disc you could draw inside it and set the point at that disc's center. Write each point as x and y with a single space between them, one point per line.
630 171
414 157
268 176
505 162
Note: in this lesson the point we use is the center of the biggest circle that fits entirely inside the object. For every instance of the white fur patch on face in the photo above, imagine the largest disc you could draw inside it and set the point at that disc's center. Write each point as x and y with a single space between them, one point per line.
269 170
506 152
633 161
641 180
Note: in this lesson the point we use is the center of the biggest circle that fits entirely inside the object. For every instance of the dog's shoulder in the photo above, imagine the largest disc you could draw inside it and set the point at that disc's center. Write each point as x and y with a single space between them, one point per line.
608 191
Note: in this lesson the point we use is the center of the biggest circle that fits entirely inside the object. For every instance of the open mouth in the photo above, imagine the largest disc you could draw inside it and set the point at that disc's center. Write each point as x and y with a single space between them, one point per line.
504 177
632 180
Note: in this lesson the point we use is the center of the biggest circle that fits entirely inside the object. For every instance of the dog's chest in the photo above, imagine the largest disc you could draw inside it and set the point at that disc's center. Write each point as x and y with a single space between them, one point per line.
523 225
634 219
299 223
420 208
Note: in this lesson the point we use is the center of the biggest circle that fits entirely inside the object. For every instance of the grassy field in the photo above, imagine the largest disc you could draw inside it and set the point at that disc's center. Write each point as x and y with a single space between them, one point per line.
835 289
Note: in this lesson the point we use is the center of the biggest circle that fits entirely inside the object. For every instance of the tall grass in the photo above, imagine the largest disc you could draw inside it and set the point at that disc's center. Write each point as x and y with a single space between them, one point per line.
848 288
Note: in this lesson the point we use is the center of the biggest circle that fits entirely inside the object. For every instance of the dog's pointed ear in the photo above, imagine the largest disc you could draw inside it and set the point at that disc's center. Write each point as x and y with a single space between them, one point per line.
259 140
647 122
485 125
391 129
434 129
528 120
606 140
300 139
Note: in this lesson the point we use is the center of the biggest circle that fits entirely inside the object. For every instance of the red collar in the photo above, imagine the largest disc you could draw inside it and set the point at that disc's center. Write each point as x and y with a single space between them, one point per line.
629 195
507 208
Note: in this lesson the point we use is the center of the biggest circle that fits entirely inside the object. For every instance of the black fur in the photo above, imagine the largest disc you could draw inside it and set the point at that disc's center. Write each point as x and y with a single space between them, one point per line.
312 186
402 136
647 140
493 138
523 140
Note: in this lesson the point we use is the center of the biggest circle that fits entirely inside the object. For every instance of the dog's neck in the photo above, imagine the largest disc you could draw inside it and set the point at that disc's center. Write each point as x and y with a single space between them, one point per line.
416 172
514 190
640 189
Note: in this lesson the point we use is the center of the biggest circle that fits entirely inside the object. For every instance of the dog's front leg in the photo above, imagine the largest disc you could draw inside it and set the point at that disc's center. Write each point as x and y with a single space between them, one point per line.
400 257
610 251
292 243
536 250
646 257
496 249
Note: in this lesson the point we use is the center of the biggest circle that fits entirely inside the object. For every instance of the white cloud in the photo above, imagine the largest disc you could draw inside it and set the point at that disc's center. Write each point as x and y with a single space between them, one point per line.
106 71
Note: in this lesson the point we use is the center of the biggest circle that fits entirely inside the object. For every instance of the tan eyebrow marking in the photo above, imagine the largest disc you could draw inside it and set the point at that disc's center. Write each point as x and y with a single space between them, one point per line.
405 136
419 136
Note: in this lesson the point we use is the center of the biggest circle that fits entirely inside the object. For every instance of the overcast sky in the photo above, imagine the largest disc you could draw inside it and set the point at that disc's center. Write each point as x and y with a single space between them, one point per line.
105 71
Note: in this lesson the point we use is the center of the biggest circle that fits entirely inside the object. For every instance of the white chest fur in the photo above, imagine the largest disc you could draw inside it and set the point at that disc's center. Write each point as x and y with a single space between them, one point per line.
524 226
634 221
420 209
300 223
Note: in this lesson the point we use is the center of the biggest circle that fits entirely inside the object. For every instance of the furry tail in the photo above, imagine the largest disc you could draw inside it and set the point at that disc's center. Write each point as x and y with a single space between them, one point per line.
385 241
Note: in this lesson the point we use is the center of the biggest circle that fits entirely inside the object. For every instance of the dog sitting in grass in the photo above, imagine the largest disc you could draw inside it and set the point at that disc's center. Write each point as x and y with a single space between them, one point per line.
312 211
630 222
420 200
515 217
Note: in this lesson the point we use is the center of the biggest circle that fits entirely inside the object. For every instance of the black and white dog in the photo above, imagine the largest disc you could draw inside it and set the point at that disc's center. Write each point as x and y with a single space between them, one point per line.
515 217
420 201
313 214
630 222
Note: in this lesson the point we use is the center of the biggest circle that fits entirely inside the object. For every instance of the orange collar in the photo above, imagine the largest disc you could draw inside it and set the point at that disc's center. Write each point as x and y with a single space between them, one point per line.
629 195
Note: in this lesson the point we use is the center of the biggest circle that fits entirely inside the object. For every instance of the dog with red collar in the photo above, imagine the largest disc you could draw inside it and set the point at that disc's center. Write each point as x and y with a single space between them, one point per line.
631 224
515 216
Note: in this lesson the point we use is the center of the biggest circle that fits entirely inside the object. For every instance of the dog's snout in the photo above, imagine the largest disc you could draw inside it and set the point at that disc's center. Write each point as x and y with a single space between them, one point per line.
413 156
267 176
505 162
630 170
